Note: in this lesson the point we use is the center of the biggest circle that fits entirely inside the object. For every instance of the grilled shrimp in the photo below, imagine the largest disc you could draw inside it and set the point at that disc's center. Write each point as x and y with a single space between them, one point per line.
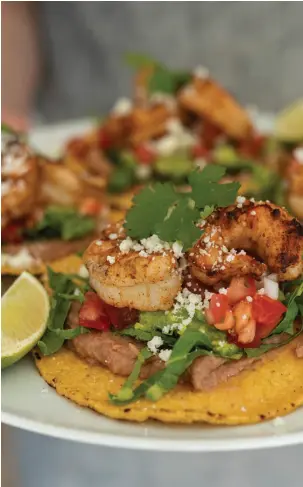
205 98
125 276
20 174
272 237
294 177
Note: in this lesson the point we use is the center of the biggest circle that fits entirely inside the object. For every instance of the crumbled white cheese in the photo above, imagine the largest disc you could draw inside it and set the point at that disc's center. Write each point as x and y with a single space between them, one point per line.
126 245
166 328
165 354
201 72
249 299
240 200
154 244
113 236
150 245
111 259
122 107
163 98
155 343
261 291
178 137
6 187
200 162
14 164
23 259
174 126
222 290
83 272
177 249
298 154
166 145
188 301
253 213
98 242
230 258
143 171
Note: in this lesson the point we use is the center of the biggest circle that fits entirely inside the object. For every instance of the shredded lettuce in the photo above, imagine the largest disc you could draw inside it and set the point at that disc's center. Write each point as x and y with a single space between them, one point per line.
63 292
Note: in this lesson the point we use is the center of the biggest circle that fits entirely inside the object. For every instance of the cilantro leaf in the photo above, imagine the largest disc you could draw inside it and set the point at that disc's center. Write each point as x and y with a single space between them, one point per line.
207 211
173 216
161 81
151 206
206 190
164 80
180 224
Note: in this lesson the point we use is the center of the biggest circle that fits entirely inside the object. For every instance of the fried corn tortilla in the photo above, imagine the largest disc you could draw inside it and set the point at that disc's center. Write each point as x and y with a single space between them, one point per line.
274 387
69 265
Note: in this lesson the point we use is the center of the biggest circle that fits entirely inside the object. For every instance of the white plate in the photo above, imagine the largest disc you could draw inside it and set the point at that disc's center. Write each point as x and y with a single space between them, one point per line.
28 403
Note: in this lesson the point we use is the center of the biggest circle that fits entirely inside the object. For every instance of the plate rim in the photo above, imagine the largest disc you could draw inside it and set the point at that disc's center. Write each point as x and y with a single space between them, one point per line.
152 444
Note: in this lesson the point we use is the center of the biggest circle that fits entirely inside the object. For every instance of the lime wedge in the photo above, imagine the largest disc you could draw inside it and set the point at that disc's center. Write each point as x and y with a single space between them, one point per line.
289 123
24 313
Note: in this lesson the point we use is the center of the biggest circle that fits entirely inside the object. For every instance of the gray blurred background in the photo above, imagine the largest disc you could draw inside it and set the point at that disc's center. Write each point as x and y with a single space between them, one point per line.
254 48
68 64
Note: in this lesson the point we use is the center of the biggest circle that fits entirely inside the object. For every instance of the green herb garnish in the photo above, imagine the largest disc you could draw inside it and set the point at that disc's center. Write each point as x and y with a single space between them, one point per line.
293 301
162 79
64 223
161 210
63 291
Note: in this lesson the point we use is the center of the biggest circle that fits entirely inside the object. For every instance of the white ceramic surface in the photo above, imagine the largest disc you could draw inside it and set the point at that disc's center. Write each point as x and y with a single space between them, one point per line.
28 403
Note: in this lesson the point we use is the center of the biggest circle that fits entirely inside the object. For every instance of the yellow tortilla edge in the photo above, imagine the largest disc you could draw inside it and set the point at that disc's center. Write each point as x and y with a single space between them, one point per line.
270 389
69 265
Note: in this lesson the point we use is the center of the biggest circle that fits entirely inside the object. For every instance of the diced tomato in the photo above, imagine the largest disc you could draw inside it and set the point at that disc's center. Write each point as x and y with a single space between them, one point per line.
121 317
252 147
218 308
267 312
211 133
104 139
240 288
199 151
92 314
12 233
97 314
90 206
233 338
144 154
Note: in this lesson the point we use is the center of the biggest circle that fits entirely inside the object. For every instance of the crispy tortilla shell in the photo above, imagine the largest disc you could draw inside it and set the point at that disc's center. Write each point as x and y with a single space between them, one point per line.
69 265
272 388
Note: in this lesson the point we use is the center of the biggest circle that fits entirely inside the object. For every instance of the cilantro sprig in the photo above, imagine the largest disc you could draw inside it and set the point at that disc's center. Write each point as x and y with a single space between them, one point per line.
162 79
161 210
